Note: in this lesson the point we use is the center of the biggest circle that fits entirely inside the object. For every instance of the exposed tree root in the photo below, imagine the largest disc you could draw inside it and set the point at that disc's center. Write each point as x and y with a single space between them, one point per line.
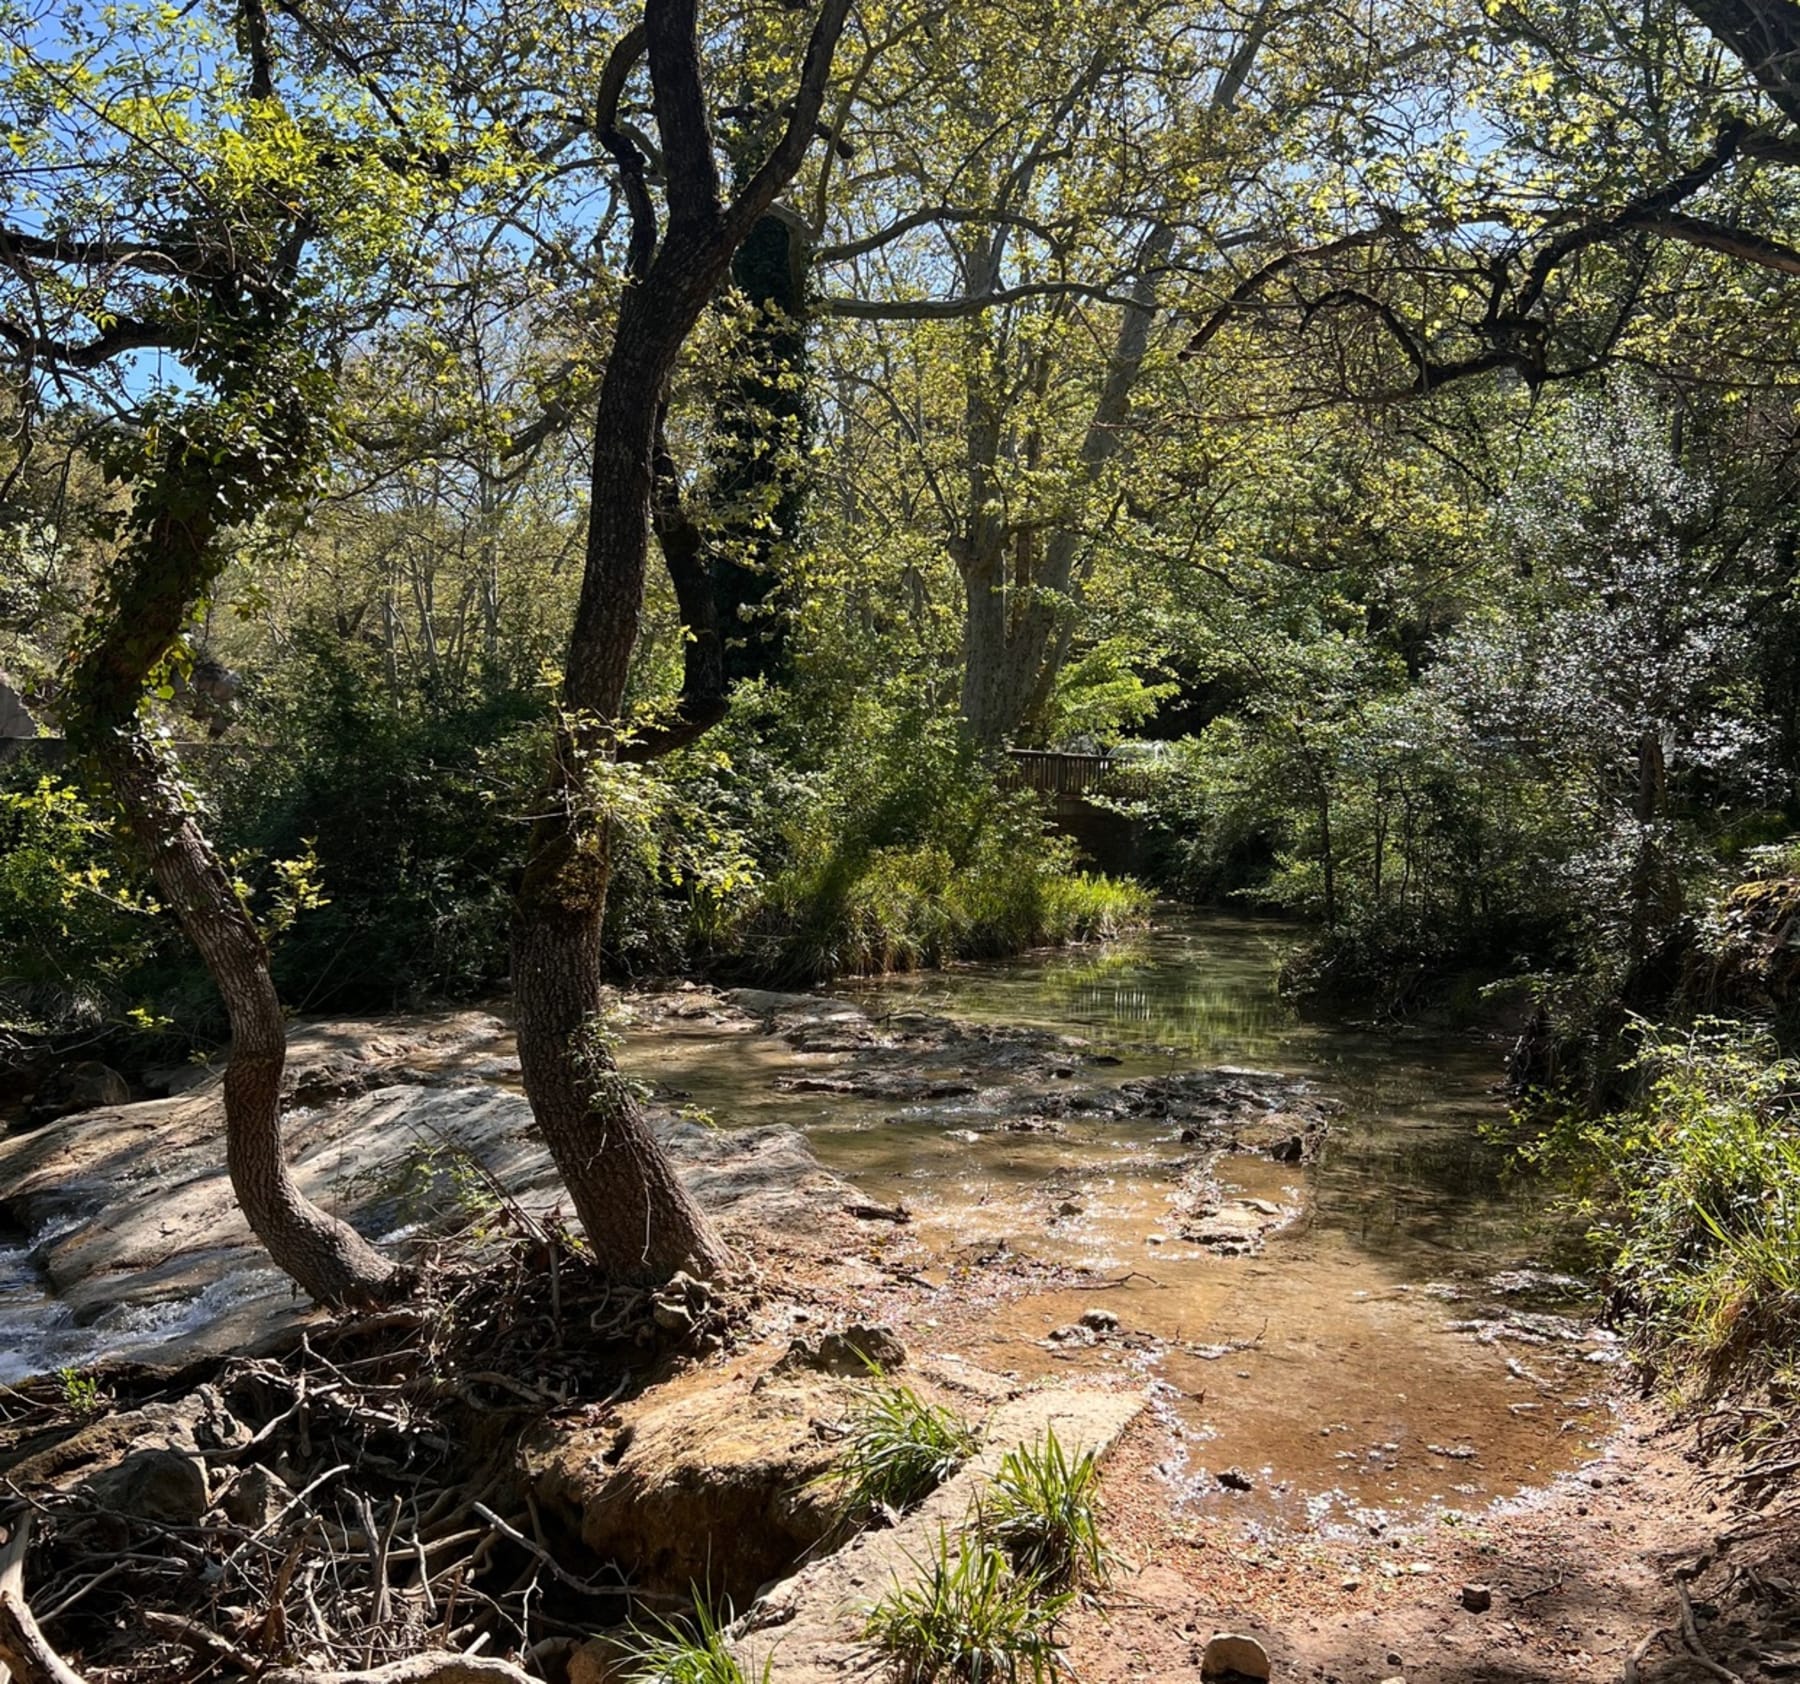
434 1667
23 1647
364 1516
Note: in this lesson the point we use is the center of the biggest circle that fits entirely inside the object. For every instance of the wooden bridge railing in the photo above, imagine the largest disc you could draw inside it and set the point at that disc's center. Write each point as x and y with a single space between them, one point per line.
1072 775
1056 774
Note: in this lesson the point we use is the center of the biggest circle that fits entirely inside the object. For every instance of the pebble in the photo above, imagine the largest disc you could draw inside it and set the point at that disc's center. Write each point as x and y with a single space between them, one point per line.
1477 1598
1231 1652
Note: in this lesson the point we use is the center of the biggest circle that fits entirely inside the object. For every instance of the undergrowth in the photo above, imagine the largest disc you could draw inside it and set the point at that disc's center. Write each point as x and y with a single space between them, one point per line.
1695 1193
1042 1513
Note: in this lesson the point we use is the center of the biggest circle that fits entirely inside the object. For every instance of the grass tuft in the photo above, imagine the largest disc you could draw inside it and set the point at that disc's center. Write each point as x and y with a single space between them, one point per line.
969 1617
1042 1513
898 1448
691 1651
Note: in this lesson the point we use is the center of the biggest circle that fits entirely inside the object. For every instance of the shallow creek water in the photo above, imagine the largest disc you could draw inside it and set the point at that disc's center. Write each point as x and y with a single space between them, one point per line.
1399 1349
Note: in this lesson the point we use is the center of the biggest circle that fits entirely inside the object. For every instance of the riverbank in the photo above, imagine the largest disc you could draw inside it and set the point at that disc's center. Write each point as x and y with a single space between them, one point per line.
1365 1384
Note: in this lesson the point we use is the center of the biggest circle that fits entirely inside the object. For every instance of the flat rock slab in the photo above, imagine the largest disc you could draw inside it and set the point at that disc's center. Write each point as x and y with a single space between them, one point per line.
809 1628
134 1244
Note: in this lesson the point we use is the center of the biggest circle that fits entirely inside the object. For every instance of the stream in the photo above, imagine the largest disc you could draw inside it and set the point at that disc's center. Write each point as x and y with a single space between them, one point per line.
1403 1343
1406 1346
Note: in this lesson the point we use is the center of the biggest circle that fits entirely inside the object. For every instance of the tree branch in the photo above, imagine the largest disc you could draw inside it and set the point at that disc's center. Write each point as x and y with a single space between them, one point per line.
950 309
848 249
788 153
625 152
677 92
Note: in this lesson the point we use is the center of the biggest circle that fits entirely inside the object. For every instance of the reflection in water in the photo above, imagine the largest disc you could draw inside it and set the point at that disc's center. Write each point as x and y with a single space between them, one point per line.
1329 1367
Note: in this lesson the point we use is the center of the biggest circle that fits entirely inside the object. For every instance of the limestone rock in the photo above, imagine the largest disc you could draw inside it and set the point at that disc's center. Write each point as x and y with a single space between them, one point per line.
1477 1598
87 1086
712 1480
1231 1654
166 1487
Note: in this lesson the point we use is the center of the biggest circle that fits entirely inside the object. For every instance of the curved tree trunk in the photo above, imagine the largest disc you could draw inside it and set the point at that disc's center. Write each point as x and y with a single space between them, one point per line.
326 1256
639 1220
171 561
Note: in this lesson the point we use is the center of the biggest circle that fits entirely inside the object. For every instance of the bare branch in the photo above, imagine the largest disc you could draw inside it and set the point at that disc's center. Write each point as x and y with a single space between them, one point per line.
842 253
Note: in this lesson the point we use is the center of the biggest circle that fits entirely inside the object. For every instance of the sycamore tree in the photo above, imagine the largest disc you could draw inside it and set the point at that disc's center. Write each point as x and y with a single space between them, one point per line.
194 220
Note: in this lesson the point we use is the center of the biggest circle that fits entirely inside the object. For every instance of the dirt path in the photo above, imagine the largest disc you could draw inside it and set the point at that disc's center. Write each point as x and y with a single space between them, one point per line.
1578 1575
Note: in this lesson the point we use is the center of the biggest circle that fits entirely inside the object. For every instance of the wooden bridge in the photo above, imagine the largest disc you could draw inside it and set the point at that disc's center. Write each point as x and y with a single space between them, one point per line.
1073 775
1068 783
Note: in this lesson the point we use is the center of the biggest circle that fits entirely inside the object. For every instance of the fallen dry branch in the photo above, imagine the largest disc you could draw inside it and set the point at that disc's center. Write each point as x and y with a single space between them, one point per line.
23 1647
356 1499
1690 1633
434 1667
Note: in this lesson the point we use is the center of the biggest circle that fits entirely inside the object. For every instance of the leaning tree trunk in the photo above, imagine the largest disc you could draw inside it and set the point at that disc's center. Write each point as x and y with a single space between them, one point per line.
639 1220
172 557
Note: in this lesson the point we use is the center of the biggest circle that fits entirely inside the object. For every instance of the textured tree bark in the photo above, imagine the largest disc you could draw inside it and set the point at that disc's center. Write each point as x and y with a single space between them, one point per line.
329 1260
639 1220
171 560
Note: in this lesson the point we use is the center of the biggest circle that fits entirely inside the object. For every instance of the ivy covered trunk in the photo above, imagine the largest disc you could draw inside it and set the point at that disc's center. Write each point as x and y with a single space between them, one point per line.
172 556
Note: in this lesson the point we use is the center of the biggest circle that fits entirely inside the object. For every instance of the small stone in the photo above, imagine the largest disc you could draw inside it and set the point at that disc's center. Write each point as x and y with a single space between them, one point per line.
166 1487
1477 1598
1235 1479
257 1496
671 1315
1069 1208
854 1352
1395 1660
1231 1654
1101 1321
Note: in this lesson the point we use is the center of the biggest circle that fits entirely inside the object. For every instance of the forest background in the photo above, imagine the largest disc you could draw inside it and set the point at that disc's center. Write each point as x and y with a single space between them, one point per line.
1375 421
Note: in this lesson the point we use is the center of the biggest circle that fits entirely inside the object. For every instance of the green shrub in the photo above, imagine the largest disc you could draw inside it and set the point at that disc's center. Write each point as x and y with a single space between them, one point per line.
77 927
411 805
898 1449
1697 1188
969 1617
1042 1513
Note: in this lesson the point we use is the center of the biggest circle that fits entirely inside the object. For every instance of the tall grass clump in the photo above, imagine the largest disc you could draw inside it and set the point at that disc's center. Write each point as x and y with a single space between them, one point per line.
898 1449
969 1617
689 1652
1700 1195
1042 1512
